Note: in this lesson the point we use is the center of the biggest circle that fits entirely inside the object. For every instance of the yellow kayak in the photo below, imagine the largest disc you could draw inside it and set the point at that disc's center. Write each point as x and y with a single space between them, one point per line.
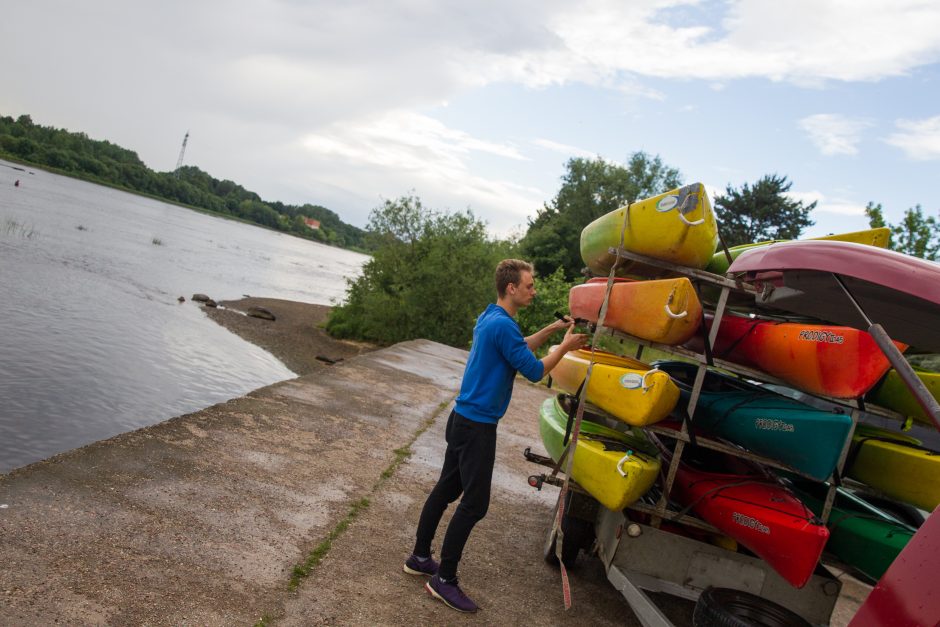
615 468
678 226
631 391
896 465
872 237
893 394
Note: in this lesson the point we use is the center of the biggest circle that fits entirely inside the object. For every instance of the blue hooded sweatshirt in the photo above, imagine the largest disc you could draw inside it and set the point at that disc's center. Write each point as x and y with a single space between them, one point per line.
499 350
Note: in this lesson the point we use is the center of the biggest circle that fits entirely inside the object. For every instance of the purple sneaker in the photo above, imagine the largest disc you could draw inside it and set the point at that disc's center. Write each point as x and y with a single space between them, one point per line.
451 594
417 566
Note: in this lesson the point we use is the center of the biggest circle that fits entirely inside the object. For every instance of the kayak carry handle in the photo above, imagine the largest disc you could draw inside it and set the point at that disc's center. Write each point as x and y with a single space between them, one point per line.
694 223
674 316
646 388
621 462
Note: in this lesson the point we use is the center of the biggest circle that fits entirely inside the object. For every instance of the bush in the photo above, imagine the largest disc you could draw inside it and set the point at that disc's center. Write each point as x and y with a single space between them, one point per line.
430 276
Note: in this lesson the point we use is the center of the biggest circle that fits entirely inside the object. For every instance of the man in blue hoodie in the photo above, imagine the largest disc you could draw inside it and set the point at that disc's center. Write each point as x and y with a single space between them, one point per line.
499 351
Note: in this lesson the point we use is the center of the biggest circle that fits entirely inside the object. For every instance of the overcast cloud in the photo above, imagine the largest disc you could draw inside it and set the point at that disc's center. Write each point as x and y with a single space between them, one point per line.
343 104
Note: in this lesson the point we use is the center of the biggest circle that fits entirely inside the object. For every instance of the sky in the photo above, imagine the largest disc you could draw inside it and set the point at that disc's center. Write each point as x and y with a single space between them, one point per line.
481 104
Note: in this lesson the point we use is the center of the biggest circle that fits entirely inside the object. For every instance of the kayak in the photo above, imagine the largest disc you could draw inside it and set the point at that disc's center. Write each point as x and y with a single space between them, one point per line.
861 535
808 439
871 237
893 394
677 226
897 291
665 310
743 502
828 360
616 468
627 389
896 465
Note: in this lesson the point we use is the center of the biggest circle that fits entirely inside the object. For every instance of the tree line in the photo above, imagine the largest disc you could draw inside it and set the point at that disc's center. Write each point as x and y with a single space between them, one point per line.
76 154
431 272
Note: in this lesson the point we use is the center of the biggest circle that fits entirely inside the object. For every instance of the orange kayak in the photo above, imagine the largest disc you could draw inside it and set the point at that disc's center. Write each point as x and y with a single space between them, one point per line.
667 311
828 360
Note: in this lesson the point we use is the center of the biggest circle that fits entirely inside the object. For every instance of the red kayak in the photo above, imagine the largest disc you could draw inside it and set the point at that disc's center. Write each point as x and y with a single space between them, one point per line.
828 360
745 503
900 292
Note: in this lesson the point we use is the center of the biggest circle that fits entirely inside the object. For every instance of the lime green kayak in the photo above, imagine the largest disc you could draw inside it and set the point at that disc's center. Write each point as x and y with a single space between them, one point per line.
893 394
616 468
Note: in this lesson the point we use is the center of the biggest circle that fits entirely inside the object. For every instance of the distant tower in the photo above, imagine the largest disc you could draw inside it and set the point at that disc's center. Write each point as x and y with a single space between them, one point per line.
179 162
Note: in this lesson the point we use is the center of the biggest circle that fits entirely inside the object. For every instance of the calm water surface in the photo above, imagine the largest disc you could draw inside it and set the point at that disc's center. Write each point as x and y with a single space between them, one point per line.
92 339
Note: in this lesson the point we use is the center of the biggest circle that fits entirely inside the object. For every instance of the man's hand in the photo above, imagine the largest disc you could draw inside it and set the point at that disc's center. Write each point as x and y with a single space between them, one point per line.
572 341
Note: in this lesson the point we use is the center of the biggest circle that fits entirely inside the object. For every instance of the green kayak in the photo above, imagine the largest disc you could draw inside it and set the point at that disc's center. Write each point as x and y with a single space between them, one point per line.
861 535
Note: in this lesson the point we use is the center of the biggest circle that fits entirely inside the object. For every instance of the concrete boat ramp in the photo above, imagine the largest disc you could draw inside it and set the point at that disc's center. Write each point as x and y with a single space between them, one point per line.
201 520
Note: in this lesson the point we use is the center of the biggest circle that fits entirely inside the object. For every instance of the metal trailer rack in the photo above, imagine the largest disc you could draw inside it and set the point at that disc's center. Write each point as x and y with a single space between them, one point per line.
641 558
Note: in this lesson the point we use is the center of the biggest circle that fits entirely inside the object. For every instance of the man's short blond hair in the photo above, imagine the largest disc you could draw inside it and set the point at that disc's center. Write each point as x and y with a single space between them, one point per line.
509 272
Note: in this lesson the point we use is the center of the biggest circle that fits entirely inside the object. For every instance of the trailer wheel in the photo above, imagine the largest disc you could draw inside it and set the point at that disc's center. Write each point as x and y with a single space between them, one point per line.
724 607
579 534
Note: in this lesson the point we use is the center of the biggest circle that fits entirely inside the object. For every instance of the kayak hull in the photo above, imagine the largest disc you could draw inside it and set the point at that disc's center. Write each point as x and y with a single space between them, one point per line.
611 475
667 311
893 394
860 536
870 237
757 512
629 390
895 465
808 439
677 226
827 360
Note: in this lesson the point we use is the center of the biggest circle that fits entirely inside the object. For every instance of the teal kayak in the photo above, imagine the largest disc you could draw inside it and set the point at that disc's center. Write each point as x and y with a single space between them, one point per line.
808 439
861 535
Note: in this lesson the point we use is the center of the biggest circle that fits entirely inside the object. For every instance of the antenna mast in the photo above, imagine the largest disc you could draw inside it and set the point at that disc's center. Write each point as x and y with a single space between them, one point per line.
179 162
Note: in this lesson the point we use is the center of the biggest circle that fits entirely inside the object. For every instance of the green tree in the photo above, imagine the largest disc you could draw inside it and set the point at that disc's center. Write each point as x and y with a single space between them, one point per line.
104 162
916 235
590 188
430 275
761 212
876 216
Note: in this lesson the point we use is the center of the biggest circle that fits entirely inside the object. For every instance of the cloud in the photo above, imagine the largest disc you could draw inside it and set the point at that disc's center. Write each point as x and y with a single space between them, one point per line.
385 151
807 42
919 139
835 134
838 206
565 149
278 93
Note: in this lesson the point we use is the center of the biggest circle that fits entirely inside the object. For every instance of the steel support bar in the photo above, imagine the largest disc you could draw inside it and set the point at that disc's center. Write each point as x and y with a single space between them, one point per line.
907 374
672 516
644 608
691 273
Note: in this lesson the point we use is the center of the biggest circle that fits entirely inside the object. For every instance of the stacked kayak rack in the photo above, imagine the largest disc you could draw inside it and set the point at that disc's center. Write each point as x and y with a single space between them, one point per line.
684 536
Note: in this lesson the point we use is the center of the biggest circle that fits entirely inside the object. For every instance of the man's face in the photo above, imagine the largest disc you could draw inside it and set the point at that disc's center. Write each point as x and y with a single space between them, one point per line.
523 292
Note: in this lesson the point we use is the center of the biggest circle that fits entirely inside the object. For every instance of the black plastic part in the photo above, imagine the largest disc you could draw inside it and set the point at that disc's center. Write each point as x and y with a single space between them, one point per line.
725 607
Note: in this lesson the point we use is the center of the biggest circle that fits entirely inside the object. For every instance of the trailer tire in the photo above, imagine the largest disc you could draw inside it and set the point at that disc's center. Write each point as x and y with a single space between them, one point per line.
579 534
725 607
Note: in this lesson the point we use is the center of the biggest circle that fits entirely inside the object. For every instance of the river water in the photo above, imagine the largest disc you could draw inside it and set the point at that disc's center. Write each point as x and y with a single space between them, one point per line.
92 339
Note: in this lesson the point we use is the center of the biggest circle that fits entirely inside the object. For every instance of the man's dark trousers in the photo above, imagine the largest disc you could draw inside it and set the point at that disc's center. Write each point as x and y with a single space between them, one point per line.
468 470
